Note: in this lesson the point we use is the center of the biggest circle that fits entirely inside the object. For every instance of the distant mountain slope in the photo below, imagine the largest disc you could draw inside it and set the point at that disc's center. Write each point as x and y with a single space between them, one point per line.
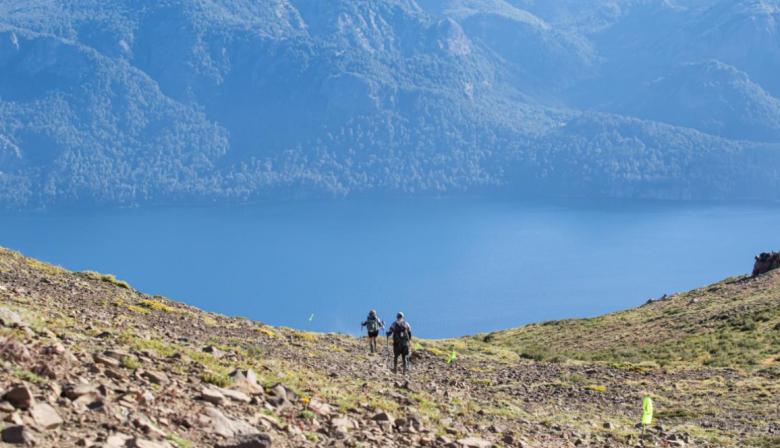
615 156
710 96
124 102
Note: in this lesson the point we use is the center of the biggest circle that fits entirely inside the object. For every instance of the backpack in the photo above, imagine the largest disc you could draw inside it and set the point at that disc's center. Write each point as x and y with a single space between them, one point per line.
401 335
372 324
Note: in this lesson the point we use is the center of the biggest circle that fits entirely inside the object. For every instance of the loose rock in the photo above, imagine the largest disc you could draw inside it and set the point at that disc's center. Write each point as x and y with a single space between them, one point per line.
20 396
45 416
18 434
228 427
256 441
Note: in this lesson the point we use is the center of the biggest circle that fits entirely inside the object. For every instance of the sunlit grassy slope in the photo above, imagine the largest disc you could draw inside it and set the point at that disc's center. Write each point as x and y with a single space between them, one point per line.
735 322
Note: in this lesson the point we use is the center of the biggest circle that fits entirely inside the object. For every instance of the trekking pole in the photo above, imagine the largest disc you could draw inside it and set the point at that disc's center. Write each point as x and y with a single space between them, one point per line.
409 358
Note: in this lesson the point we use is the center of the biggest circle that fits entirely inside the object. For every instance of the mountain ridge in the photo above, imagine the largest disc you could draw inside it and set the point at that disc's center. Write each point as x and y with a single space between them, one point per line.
119 103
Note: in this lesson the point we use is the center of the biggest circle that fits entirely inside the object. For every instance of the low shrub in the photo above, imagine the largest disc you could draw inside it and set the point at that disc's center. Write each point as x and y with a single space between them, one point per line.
217 379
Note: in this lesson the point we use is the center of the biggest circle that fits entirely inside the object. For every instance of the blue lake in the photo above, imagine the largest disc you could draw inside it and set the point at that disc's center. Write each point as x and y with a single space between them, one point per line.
455 266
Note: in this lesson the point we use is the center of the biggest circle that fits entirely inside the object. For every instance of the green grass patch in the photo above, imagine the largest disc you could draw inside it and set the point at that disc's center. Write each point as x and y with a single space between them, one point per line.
215 378
129 362
179 442
138 309
307 415
160 347
108 278
156 305
26 375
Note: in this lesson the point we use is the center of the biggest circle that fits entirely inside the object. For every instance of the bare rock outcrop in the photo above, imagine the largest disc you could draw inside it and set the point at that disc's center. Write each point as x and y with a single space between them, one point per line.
766 262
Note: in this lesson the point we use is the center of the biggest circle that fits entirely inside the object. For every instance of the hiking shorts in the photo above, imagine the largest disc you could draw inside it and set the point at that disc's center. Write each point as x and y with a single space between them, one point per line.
400 349
373 334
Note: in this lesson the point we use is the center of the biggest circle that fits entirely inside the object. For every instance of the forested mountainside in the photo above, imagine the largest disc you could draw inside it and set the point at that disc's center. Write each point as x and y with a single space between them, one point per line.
126 102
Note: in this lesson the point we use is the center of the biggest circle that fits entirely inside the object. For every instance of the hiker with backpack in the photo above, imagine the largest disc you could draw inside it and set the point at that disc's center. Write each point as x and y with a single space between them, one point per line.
372 323
402 341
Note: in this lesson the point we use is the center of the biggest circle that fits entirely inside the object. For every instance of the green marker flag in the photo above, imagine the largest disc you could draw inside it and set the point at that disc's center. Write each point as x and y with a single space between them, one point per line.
647 411
311 318
452 358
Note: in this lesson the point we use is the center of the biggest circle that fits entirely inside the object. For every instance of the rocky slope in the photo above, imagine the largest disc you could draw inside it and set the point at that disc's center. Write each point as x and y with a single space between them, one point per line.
88 361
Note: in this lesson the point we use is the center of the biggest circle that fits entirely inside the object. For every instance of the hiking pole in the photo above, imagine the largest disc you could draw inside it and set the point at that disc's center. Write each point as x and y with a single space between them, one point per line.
361 333
409 359
387 350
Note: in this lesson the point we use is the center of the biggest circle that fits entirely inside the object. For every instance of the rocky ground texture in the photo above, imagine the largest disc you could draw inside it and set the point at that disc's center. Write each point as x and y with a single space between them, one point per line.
87 361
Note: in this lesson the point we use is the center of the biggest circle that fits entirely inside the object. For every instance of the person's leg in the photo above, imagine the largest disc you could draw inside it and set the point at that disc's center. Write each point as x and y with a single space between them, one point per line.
372 343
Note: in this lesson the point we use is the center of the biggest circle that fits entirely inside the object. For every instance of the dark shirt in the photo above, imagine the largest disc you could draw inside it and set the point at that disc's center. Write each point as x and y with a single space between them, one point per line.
398 327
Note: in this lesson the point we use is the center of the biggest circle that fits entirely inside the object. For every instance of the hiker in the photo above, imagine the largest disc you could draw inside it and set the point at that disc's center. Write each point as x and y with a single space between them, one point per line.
402 341
372 323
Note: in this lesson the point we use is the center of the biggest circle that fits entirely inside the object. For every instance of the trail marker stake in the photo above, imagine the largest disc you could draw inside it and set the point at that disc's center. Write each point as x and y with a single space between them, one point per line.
453 356
647 412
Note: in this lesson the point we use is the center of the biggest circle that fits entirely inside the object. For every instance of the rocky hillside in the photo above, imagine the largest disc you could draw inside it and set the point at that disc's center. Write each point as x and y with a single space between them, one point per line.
121 102
88 361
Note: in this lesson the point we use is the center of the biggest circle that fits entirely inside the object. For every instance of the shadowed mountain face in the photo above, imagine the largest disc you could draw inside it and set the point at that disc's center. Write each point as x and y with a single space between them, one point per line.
710 96
126 102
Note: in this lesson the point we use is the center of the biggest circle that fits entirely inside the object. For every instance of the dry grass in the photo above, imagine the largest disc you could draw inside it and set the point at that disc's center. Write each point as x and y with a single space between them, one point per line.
138 309
156 305
266 331
108 278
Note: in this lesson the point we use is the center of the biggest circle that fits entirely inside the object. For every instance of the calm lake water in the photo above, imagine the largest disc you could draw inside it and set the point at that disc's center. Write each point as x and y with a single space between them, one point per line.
454 266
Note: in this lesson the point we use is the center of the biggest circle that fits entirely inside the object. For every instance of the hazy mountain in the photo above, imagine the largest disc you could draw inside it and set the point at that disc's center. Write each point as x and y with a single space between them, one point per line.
124 101
710 96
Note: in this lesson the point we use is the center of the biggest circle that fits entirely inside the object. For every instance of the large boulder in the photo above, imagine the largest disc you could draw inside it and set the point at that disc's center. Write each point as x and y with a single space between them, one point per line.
766 262
45 416
10 318
17 434
13 350
474 442
255 441
246 381
20 396
228 427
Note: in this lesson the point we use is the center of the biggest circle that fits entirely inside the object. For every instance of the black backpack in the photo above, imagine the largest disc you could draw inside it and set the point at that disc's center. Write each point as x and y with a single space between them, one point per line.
401 336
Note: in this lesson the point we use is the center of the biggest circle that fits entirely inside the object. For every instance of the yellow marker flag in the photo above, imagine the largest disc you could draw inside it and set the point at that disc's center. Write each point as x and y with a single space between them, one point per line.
452 358
647 411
